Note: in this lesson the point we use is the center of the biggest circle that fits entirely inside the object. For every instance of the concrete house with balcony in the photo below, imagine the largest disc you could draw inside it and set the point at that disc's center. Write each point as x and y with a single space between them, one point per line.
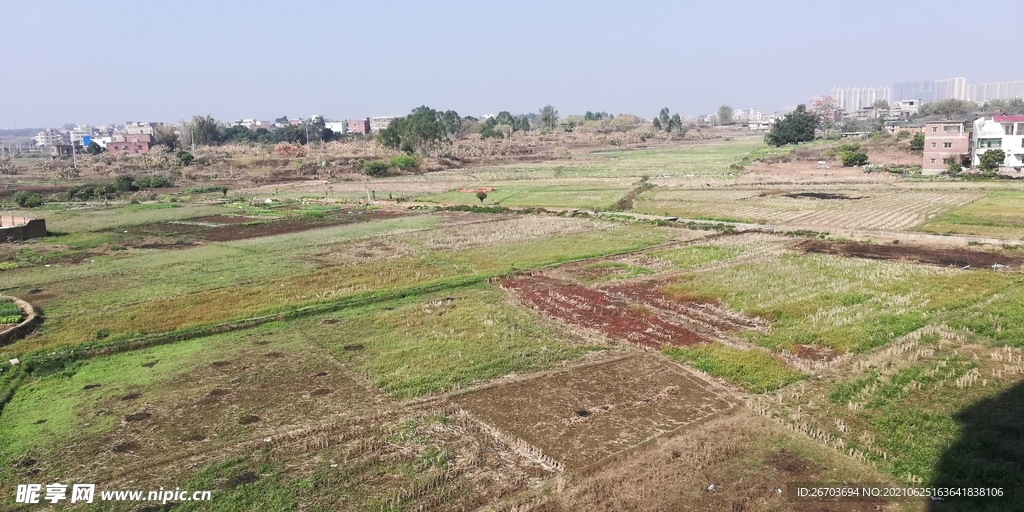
945 142
1005 133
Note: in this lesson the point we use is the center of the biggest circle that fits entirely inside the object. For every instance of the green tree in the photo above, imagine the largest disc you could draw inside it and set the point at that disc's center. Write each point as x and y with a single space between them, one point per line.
798 126
664 118
657 123
521 124
184 158
94 149
675 123
880 105
164 135
548 117
947 108
954 168
203 131
239 134
917 142
481 196
990 160
452 121
282 119
423 129
725 114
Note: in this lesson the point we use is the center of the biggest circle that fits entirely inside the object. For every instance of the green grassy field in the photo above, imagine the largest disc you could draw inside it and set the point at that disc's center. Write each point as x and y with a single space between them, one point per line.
753 370
708 160
169 291
999 215
600 196
144 373
844 304
697 255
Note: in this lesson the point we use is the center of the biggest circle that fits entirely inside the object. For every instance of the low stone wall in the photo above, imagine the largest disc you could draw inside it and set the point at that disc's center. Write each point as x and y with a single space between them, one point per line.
20 330
30 228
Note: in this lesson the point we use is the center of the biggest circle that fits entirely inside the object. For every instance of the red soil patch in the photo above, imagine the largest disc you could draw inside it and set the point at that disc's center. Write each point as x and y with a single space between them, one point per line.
220 228
709 313
598 309
945 256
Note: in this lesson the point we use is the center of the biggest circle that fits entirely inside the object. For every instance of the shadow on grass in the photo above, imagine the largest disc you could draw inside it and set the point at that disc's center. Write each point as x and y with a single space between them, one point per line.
990 453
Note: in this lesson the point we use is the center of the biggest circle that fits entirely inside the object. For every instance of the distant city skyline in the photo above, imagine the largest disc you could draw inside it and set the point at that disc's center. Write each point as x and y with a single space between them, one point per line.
260 59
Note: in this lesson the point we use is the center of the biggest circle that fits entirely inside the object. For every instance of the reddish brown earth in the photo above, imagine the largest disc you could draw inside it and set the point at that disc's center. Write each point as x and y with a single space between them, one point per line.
599 310
220 228
945 256
702 311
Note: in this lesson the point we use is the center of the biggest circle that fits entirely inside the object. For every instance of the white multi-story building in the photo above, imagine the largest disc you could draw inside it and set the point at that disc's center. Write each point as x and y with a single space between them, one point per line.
950 88
139 128
254 124
339 127
903 109
78 134
852 99
982 93
1004 133
379 123
51 137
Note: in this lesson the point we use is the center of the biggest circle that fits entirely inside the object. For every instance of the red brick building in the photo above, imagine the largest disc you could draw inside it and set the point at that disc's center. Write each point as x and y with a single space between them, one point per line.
360 126
945 142
133 144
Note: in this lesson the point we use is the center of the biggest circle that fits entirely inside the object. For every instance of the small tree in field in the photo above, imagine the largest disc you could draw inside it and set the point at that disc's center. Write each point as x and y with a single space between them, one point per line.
917 142
481 196
991 160
798 126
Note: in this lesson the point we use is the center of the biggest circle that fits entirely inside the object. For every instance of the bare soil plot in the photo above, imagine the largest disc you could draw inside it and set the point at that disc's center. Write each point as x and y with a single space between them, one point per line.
220 228
582 415
945 256
736 461
597 309
636 312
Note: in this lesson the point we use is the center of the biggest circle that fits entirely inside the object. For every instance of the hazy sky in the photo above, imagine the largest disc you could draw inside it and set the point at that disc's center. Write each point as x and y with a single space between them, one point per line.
107 62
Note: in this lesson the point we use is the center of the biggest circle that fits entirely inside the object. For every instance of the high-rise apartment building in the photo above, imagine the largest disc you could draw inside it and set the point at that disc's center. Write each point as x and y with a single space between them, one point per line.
982 93
950 88
919 90
856 98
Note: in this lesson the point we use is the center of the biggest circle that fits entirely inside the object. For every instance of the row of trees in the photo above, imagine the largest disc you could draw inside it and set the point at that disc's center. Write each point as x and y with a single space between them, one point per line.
668 122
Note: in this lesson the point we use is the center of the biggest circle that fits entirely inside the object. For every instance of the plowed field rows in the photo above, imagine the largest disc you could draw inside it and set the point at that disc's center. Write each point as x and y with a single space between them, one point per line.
634 312
585 414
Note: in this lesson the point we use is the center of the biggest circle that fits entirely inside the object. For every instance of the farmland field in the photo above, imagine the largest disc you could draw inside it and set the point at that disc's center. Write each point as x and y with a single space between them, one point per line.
325 351
998 215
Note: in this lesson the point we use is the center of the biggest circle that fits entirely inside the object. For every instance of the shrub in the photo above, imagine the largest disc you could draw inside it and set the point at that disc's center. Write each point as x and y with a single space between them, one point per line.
185 158
902 135
206 190
154 182
27 200
375 168
124 183
854 158
404 162
849 148
917 142
954 168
